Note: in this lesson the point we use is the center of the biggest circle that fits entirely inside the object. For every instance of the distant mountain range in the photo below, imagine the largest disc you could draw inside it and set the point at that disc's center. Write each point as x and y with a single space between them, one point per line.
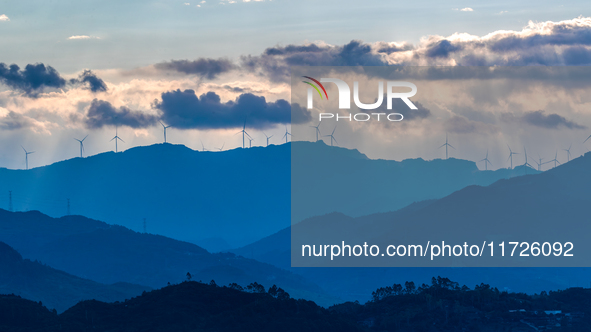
223 200
553 206
56 289
109 254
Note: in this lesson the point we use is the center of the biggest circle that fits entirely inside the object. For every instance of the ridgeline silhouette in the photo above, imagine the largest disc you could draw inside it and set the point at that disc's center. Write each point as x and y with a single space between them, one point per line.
228 199
58 290
440 306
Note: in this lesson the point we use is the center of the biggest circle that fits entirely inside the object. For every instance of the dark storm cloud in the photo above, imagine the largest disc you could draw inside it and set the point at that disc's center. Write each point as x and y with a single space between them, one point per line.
442 49
91 81
184 110
275 62
208 68
542 120
102 113
13 121
32 80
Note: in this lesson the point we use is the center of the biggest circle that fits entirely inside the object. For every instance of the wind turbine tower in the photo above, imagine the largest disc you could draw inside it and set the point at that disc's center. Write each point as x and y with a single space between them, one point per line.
27 157
539 163
317 130
164 127
555 160
486 161
446 145
526 164
243 131
287 133
116 138
267 138
511 153
81 145
332 136
568 152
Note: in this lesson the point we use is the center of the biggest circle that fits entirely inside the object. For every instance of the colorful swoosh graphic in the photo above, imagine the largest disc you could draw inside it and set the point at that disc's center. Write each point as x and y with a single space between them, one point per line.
319 84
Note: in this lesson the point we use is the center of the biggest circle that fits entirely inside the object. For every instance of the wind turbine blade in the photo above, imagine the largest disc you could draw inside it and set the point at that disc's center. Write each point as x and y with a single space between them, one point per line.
441 146
451 146
121 139
587 139
112 139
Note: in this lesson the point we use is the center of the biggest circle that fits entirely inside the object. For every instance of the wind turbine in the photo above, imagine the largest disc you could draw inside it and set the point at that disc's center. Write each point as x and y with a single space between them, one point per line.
165 127
317 130
287 133
555 160
446 145
486 161
332 136
526 164
81 144
568 152
222 148
539 163
27 157
116 138
243 131
202 146
250 139
267 138
511 153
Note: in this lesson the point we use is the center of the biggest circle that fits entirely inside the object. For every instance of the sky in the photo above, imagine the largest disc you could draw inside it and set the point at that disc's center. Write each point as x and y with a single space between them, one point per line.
203 67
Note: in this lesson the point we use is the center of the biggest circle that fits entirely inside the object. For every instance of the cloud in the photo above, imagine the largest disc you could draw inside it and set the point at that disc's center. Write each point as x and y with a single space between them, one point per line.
91 81
13 121
547 43
275 61
32 80
540 119
184 110
101 113
209 68
467 9
4 18
81 37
